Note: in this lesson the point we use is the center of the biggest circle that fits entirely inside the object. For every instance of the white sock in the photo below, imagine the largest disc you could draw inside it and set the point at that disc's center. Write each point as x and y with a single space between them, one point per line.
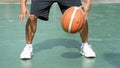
83 44
29 45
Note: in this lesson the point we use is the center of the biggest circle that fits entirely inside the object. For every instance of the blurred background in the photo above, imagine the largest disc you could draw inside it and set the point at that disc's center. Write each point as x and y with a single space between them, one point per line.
94 1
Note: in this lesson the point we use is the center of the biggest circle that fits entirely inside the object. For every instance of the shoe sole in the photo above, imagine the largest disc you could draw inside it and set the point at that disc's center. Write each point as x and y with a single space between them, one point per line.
86 55
26 58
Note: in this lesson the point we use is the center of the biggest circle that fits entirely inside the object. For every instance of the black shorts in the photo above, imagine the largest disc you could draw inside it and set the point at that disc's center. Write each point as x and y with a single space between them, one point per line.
41 8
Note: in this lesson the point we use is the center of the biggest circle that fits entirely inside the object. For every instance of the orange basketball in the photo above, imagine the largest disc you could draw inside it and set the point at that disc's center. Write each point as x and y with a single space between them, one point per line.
73 19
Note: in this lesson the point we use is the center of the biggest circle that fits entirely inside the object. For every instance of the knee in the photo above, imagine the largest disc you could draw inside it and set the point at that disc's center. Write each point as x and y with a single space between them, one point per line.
32 17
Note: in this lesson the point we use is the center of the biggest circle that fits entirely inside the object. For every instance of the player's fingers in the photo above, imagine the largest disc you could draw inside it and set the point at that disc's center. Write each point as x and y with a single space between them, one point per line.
86 13
24 17
82 5
82 8
28 12
86 16
20 18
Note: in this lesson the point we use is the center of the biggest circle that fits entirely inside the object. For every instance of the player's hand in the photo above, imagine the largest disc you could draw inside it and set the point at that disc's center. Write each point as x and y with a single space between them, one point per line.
23 12
86 9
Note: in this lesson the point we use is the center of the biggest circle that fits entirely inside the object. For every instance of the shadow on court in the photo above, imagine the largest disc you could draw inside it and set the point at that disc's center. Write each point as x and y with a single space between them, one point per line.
67 43
113 58
64 60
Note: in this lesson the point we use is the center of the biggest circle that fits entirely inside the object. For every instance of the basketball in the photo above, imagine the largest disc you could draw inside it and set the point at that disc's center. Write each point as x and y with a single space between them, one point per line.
73 19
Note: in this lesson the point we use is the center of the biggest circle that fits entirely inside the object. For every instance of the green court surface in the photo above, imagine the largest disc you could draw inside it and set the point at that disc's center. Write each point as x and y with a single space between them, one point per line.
53 47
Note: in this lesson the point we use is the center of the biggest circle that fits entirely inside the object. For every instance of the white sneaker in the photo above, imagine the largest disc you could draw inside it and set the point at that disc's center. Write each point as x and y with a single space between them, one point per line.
26 53
87 51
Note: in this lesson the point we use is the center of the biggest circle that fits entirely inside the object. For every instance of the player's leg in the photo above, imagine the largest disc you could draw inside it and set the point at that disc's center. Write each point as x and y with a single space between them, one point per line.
31 26
39 9
86 49
84 32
